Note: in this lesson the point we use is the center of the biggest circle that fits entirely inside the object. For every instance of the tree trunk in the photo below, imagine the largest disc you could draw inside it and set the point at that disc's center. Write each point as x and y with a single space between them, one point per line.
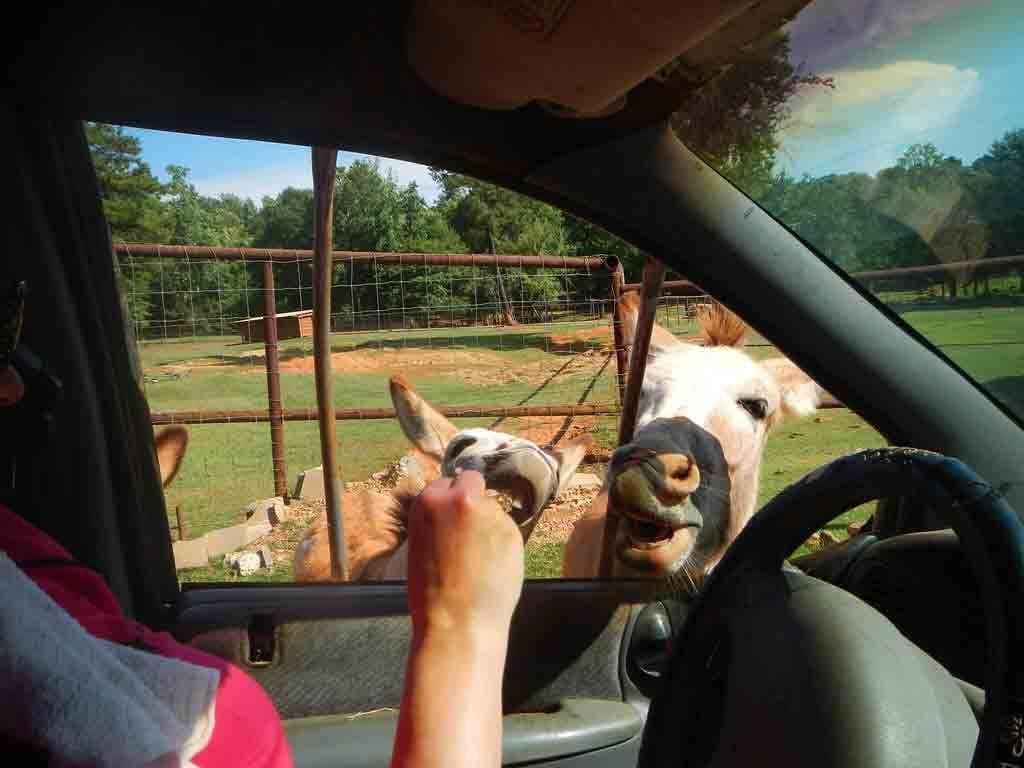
504 304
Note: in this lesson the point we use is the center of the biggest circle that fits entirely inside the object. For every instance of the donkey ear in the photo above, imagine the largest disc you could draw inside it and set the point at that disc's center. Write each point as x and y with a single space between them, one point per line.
720 326
170 450
426 429
799 394
629 309
568 455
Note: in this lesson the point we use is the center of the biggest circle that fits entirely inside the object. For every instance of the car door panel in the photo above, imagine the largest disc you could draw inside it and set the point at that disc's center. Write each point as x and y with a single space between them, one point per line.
576 728
332 658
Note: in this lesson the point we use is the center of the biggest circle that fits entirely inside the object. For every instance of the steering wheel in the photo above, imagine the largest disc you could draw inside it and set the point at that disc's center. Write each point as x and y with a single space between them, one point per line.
772 667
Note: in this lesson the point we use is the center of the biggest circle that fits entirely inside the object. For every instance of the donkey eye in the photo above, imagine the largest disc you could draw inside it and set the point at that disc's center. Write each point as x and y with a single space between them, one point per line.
756 407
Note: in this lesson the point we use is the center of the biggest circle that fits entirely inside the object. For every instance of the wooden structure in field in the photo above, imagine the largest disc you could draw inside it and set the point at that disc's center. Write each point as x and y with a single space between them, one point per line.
290 325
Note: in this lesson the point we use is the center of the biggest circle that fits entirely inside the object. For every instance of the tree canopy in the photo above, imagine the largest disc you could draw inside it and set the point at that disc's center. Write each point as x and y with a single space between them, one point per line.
927 208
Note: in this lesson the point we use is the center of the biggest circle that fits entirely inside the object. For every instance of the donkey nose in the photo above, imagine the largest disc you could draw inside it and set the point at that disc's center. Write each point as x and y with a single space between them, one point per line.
639 473
679 477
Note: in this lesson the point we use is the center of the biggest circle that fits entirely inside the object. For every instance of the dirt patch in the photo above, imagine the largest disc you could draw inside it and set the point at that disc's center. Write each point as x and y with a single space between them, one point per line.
543 429
285 537
558 520
475 366
397 360
597 336
478 368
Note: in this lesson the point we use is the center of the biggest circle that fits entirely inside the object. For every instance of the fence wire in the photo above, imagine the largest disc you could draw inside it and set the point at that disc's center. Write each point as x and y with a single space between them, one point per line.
501 339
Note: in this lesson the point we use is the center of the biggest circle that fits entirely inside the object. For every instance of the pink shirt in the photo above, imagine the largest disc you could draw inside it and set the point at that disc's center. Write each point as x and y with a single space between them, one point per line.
247 730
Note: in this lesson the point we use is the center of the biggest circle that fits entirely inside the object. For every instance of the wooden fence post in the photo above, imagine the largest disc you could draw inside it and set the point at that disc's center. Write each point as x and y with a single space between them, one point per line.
182 525
274 405
654 277
325 168
621 359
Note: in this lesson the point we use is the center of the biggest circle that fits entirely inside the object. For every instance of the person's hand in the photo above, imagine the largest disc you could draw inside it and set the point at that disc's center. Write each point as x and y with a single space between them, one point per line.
465 559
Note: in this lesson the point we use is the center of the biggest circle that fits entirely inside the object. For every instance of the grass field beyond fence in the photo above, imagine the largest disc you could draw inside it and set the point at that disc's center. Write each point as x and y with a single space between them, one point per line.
229 465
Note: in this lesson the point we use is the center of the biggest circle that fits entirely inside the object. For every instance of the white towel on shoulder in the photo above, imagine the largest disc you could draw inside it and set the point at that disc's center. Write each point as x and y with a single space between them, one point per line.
88 700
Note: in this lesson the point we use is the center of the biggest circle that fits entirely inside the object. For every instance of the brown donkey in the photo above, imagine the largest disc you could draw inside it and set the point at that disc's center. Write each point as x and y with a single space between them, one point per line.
527 476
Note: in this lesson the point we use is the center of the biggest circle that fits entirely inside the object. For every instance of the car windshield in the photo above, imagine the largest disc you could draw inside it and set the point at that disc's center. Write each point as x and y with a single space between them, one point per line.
889 134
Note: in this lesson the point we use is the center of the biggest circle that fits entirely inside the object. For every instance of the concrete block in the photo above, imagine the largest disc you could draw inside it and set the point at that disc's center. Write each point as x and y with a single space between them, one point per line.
585 480
245 564
310 486
191 554
258 531
228 539
270 510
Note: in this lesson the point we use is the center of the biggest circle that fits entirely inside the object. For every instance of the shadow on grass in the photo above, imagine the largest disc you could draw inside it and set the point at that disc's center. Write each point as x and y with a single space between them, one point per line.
991 301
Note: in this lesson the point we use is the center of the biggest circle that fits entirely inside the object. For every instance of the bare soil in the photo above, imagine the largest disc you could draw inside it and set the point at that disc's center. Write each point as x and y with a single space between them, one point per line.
475 367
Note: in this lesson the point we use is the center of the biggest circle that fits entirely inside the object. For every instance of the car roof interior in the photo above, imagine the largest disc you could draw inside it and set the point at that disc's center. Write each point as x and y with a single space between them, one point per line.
428 92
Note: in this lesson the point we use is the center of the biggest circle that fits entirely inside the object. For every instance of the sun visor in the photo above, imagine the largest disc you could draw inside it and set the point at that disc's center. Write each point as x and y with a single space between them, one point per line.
579 58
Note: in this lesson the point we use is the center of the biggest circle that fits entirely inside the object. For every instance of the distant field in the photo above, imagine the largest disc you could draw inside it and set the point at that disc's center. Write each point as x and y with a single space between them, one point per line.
229 465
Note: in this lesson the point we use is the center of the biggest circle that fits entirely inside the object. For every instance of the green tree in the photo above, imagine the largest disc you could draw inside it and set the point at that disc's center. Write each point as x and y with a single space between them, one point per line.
285 220
129 190
1002 192
188 298
488 217
133 208
733 121
586 239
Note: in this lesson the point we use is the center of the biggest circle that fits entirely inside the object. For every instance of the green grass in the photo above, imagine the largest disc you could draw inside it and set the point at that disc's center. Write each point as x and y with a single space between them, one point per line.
218 572
230 465
986 341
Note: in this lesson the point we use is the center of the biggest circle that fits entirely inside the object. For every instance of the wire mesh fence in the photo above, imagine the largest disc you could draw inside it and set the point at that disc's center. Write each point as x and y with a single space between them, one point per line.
519 344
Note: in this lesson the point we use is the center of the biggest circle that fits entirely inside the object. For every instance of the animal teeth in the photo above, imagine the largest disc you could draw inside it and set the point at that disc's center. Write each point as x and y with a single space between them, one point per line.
507 502
647 535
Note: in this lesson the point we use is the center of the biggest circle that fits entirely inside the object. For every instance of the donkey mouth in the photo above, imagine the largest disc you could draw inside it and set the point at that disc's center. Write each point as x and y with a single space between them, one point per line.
522 480
647 535
515 506
646 531
648 518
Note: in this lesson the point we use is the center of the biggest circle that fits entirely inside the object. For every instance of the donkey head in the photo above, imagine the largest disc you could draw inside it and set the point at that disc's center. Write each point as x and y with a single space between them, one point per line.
686 484
528 475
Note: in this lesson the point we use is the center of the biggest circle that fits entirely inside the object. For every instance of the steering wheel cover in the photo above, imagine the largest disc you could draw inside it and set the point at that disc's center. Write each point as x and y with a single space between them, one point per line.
990 532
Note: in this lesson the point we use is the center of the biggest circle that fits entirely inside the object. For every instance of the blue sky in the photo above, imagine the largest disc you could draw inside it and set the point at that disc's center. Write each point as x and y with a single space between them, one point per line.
906 71
253 168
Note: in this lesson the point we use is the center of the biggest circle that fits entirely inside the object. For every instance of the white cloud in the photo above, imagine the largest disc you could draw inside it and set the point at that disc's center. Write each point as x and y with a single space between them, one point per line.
267 181
872 111
257 183
828 32
405 172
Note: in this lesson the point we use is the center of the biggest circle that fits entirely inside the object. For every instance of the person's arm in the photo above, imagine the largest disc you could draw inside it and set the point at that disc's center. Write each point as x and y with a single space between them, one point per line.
465 578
